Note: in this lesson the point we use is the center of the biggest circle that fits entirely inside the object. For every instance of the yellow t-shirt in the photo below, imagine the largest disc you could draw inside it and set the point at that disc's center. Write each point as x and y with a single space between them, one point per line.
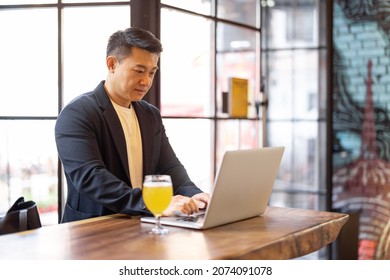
130 126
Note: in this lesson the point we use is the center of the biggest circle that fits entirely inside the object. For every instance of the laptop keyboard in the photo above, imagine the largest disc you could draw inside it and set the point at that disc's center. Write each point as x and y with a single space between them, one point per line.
190 218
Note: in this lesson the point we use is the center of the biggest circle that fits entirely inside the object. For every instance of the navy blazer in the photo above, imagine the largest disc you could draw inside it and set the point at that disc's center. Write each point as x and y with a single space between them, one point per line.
91 146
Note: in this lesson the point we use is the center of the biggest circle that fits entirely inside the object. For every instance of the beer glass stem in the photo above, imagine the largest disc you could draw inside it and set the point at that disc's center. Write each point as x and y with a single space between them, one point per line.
158 223
158 229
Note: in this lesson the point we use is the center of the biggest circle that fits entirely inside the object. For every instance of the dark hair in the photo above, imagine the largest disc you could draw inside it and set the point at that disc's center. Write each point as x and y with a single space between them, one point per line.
121 42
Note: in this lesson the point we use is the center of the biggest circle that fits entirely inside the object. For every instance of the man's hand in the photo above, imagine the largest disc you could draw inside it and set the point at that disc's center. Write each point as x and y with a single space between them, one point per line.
202 200
187 205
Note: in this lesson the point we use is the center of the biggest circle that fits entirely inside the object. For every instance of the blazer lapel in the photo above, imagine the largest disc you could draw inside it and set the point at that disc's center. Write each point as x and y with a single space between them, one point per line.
145 122
113 124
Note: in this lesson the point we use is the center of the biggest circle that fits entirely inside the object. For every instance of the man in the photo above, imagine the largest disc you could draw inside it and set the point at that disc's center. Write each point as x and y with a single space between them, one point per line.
109 138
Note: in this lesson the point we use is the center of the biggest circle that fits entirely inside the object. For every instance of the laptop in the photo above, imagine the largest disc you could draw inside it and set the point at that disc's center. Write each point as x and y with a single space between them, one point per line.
242 190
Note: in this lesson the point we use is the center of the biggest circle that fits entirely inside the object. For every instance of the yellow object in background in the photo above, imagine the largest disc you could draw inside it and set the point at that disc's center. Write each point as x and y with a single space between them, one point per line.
238 97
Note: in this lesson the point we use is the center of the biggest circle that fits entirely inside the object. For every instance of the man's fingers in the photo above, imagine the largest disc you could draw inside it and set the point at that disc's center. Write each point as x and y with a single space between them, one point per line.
183 204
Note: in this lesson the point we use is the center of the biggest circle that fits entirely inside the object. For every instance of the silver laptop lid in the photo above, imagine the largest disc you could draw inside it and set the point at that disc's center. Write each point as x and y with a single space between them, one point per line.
243 185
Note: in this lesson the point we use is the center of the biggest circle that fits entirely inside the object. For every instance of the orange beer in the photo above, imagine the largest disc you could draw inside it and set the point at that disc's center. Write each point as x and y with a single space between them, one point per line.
157 196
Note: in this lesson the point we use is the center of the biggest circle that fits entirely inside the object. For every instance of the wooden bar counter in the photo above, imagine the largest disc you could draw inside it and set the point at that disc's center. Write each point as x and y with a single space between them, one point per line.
281 233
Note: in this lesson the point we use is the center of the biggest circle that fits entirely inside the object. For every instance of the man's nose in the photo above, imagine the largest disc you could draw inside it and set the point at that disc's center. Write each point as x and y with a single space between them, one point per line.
146 80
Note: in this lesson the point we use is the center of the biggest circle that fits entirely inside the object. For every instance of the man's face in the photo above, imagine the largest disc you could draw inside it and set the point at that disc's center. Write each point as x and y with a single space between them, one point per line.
131 78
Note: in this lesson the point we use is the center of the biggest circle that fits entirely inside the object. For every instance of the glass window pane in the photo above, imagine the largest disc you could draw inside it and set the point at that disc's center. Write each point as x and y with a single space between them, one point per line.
291 24
280 84
231 38
185 65
293 82
191 140
28 68
236 135
301 164
198 6
237 56
323 57
280 134
245 12
28 166
305 89
85 43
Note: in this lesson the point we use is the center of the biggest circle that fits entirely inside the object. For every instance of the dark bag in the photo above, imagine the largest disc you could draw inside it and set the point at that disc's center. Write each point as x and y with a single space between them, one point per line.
23 215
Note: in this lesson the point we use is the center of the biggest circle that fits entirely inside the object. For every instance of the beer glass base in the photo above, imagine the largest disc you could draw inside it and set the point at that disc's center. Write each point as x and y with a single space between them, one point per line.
158 231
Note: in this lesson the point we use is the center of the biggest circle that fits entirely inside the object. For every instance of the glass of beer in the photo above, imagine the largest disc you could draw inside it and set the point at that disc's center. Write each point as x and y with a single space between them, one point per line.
157 194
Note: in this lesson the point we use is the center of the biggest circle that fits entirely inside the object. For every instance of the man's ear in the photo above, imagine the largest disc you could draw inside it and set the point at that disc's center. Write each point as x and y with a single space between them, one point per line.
111 63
